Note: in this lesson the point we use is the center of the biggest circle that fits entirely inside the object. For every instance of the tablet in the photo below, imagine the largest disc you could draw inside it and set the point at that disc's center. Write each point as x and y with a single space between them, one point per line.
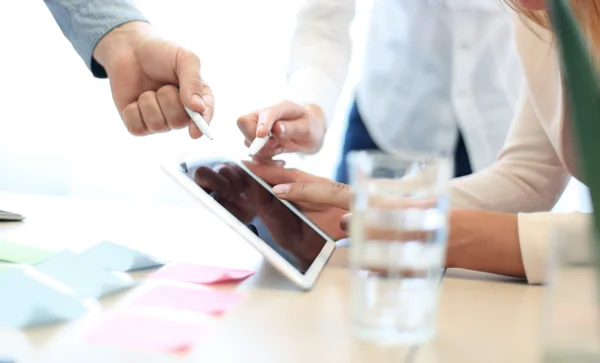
276 228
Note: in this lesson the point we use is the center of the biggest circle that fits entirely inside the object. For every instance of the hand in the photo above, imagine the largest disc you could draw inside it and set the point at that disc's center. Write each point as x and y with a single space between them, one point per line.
229 186
294 128
152 79
328 217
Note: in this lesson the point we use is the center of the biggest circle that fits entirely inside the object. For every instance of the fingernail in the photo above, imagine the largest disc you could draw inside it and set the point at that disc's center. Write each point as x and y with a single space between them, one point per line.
281 189
281 129
261 118
259 128
280 163
198 100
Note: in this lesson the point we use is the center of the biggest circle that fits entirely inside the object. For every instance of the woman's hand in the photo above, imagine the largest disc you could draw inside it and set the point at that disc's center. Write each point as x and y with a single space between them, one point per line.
328 216
294 128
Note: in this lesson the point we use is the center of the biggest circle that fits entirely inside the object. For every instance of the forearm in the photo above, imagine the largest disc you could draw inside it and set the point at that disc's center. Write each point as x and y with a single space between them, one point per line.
485 241
85 22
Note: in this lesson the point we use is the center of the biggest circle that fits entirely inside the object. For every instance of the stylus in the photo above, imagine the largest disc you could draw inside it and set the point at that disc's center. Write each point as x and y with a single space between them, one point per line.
258 144
199 121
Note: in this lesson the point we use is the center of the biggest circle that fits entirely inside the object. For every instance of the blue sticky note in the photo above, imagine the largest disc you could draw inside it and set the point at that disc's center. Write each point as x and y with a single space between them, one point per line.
30 298
116 257
87 279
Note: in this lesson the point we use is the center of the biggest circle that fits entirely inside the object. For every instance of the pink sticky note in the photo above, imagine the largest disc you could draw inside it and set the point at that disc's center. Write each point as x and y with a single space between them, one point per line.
204 301
147 333
201 274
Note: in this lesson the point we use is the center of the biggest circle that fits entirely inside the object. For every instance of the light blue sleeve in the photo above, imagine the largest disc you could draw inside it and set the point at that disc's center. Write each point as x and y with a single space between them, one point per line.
86 22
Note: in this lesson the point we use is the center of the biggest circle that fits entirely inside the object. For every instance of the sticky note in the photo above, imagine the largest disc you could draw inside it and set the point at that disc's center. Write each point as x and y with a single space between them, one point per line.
205 301
4 268
22 253
119 258
153 334
30 298
201 274
86 279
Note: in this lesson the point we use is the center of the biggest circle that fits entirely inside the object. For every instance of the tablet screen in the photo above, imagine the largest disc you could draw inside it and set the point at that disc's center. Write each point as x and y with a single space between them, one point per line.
259 210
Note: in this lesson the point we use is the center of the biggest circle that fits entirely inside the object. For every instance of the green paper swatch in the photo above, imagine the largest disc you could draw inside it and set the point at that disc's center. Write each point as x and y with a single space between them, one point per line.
21 253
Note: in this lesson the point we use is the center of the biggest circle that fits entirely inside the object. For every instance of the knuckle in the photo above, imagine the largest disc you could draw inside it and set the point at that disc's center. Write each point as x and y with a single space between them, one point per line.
338 188
135 128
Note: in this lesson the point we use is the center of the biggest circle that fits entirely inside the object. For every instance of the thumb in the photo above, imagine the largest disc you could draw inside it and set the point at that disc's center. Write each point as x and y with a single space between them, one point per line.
334 194
187 69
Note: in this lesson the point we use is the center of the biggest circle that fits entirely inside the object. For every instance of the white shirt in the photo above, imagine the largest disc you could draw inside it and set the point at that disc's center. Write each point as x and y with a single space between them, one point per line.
430 67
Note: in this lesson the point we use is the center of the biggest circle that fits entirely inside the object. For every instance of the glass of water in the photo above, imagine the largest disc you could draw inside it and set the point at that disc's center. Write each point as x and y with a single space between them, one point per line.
398 235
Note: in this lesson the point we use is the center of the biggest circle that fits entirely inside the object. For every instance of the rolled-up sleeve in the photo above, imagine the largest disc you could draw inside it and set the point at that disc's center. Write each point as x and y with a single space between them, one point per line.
537 232
85 22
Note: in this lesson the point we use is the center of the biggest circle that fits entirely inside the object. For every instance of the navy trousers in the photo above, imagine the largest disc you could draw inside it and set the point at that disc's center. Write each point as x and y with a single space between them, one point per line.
357 138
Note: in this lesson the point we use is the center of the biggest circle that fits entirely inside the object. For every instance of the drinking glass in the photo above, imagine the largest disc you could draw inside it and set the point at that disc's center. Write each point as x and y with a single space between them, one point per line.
398 235
571 309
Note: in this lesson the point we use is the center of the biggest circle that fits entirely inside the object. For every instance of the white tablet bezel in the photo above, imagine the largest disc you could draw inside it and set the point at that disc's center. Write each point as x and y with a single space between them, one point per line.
307 280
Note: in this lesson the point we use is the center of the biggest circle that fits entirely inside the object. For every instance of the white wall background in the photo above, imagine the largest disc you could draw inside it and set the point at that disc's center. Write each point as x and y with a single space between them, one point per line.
61 134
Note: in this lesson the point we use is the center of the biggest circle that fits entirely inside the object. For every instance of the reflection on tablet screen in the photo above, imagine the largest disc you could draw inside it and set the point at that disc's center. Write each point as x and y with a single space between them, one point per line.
254 206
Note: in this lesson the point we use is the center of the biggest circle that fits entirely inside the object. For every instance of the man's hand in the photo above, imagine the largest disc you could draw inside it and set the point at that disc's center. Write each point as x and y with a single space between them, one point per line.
295 128
152 79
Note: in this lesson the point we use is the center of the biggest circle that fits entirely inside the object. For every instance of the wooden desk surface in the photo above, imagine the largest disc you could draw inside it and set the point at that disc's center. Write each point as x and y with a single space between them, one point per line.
482 318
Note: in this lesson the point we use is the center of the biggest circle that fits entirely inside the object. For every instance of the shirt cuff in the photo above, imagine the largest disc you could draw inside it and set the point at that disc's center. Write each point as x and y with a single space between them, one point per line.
536 231
313 86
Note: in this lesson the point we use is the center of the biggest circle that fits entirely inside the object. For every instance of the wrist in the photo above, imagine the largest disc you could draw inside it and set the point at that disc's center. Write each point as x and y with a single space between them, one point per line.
120 42
458 236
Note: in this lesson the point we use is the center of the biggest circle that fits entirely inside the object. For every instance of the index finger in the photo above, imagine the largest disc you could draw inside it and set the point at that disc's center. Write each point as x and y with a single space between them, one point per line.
333 194
285 110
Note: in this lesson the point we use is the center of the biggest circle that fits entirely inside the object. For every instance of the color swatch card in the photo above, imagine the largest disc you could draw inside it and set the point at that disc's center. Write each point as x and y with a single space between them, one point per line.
198 274
204 301
119 258
30 298
21 253
88 280
129 331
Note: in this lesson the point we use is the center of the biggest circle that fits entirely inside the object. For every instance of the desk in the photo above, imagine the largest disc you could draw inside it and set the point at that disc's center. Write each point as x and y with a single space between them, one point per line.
483 318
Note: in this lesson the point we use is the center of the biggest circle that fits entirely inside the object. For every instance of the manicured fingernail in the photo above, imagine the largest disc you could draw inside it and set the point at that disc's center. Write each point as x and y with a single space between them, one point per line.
281 189
261 118
281 129
259 128
198 100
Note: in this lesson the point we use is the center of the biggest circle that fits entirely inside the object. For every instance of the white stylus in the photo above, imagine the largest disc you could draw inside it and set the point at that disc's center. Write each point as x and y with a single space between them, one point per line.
199 121
258 144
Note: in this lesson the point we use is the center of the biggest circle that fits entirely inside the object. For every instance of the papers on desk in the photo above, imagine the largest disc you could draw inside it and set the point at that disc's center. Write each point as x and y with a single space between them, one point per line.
87 279
193 299
43 287
22 253
198 274
36 299
119 258
147 333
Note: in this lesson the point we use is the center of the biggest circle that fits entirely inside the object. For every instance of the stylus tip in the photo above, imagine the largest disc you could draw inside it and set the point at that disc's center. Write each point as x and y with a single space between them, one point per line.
250 154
